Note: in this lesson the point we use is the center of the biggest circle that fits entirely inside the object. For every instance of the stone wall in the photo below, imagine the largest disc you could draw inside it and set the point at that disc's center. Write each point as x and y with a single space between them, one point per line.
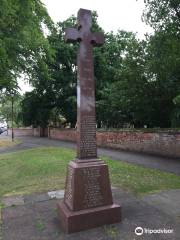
164 143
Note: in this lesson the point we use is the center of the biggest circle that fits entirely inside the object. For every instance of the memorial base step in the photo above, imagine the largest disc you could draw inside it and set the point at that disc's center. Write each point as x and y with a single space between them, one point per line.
75 221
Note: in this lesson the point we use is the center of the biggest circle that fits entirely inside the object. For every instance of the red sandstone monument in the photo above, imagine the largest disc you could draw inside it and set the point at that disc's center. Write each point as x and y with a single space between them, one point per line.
88 199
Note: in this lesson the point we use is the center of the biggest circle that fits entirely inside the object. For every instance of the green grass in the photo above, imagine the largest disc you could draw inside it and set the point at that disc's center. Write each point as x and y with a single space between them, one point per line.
141 180
111 231
43 169
33 170
40 225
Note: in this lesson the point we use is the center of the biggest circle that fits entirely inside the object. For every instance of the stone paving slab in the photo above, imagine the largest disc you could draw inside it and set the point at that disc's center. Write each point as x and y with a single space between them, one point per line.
36 198
10 201
167 201
56 194
38 220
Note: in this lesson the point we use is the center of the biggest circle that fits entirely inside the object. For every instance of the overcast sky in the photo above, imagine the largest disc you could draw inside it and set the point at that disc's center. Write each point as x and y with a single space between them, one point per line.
112 15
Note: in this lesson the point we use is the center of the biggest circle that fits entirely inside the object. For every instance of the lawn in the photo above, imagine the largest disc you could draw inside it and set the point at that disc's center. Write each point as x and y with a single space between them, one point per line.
6 142
43 169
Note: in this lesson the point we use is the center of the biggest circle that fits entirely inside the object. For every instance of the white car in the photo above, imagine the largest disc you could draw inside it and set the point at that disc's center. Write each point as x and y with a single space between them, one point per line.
2 129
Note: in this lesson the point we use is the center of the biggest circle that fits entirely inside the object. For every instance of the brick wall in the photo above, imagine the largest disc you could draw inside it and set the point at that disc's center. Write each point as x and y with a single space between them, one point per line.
160 143
36 132
165 143
18 132
62 134
40 132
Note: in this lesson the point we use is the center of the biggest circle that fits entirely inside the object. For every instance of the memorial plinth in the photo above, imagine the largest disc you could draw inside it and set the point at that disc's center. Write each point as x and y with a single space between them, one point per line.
88 199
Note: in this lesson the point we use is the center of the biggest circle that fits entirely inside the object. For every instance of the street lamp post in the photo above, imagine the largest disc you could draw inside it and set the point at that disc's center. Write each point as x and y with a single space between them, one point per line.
12 114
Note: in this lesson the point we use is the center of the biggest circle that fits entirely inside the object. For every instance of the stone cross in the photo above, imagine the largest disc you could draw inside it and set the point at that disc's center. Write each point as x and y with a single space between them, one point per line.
86 118
88 198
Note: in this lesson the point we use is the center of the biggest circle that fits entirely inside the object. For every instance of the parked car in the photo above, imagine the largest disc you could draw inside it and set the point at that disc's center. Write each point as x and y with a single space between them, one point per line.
2 129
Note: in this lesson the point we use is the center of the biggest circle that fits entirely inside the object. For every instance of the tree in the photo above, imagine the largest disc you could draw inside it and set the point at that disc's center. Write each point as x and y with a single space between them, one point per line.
22 39
6 108
35 109
163 15
123 97
163 57
119 67
136 81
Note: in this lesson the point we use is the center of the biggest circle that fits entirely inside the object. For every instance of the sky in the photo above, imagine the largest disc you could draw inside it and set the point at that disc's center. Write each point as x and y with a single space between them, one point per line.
112 15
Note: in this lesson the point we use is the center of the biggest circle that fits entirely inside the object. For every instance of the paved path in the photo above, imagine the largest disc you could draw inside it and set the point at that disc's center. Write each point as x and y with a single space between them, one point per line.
35 218
155 162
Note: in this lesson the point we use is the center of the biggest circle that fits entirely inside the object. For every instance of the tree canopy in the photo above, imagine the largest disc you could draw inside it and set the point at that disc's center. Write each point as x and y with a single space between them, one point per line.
137 81
22 39
163 56
163 15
